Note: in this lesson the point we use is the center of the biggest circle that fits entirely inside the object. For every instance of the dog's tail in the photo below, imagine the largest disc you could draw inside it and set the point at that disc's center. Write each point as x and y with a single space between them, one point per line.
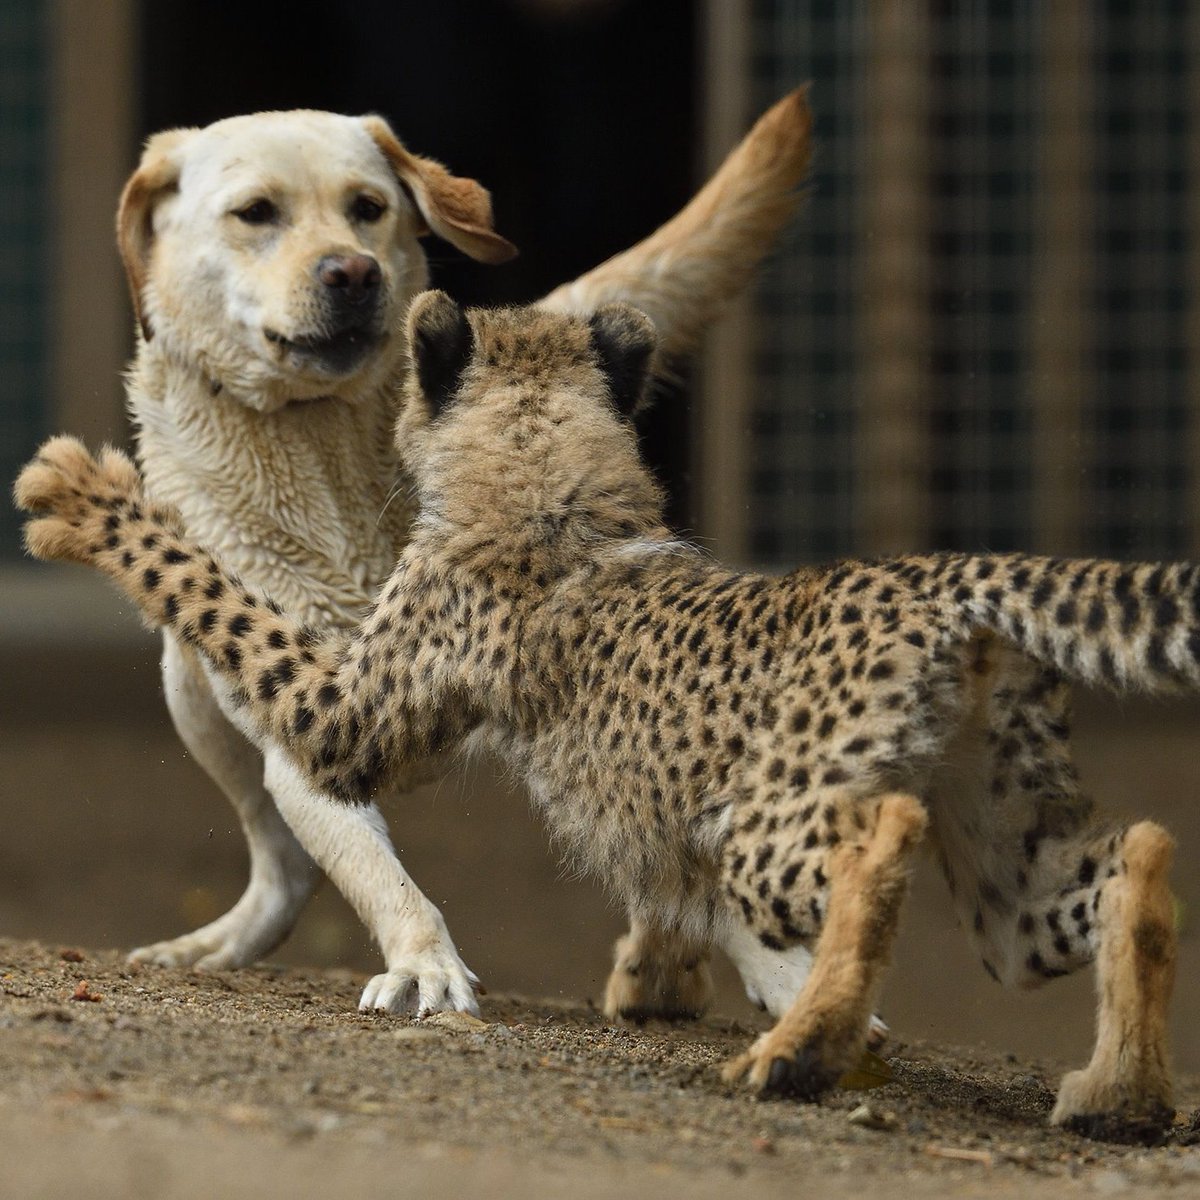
684 272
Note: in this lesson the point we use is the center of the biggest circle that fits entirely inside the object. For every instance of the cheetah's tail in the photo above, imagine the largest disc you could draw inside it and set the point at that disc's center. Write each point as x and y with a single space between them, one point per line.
1122 626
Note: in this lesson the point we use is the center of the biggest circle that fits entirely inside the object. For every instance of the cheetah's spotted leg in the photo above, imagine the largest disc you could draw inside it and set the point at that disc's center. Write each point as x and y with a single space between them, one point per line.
774 978
658 973
824 1032
92 511
1124 1093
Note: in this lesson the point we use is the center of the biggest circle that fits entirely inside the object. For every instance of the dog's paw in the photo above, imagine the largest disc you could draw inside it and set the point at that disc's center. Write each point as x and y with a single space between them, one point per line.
72 498
182 951
432 980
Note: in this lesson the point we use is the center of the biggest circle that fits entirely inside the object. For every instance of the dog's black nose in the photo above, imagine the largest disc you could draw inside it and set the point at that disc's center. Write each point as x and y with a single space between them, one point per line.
354 278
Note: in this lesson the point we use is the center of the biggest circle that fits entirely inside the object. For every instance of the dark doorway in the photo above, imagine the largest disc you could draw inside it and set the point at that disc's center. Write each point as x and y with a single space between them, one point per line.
580 118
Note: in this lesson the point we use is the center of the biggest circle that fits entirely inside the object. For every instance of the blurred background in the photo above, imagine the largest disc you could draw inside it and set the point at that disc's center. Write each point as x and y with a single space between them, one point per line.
982 334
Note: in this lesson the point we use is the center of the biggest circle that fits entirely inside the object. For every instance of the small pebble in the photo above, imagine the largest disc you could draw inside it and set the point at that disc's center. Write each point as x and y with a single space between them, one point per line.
458 1022
413 1033
869 1117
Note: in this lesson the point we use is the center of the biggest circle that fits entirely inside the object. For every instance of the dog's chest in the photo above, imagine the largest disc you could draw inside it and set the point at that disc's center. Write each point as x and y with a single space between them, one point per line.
302 507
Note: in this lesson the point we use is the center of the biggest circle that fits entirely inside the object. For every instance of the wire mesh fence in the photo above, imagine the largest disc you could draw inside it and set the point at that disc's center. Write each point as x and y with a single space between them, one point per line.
981 334
23 251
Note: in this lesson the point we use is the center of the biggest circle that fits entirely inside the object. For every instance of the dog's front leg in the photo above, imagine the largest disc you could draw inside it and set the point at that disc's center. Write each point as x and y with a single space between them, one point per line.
351 845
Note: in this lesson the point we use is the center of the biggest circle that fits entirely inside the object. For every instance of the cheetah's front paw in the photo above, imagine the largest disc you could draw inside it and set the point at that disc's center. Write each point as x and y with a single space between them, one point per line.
434 979
804 1062
72 496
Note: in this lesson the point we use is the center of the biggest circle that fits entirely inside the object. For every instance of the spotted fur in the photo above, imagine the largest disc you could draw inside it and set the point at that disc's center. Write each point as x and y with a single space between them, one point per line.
725 750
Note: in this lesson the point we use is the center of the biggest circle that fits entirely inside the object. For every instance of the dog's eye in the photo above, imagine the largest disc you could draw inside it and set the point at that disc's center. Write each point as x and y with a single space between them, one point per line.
260 212
363 208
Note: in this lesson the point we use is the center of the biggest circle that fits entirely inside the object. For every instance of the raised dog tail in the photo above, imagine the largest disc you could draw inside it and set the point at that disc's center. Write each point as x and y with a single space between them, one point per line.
684 272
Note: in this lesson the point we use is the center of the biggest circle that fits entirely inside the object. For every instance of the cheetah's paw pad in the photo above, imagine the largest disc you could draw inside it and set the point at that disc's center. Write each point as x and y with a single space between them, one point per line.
679 994
70 495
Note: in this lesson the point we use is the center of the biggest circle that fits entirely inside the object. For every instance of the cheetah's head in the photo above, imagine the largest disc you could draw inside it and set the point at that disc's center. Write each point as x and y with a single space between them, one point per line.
518 419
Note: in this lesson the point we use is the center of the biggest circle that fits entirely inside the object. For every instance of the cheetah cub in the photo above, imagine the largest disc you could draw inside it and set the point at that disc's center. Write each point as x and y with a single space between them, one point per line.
742 759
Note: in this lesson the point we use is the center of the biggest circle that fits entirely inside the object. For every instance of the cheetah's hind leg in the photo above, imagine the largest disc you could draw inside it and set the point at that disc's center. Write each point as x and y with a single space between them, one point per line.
824 1032
1124 1093
657 973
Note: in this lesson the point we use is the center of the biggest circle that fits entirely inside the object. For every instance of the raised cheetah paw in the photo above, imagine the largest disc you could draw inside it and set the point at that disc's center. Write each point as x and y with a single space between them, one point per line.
74 497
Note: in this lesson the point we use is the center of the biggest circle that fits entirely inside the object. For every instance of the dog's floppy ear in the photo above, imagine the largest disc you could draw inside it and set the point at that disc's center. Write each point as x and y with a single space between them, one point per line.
459 210
157 174
440 342
623 339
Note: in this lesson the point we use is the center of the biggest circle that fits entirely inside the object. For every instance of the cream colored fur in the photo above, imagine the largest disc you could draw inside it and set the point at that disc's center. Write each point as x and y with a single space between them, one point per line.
289 470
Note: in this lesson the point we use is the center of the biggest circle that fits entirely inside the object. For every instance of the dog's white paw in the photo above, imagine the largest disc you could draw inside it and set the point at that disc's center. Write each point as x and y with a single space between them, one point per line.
185 951
432 980
244 935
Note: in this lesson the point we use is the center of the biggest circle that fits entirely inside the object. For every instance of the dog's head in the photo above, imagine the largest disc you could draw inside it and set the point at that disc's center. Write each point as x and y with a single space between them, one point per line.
277 253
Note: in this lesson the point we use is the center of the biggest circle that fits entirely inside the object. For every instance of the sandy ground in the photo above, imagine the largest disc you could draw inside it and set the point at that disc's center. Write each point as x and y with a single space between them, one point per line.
267 1082
151 1082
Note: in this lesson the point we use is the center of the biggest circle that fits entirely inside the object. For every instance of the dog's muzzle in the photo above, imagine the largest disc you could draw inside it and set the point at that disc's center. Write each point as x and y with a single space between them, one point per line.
351 294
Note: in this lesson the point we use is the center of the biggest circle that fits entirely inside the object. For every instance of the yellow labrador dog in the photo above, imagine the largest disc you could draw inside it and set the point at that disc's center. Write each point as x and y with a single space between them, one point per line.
271 259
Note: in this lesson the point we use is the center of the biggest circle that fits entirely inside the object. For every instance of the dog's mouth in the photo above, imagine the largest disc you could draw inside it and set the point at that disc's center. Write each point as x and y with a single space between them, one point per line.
332 354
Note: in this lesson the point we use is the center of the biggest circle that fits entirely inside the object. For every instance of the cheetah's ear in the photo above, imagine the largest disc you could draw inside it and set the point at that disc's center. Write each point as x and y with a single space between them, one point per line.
440 342
623 339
